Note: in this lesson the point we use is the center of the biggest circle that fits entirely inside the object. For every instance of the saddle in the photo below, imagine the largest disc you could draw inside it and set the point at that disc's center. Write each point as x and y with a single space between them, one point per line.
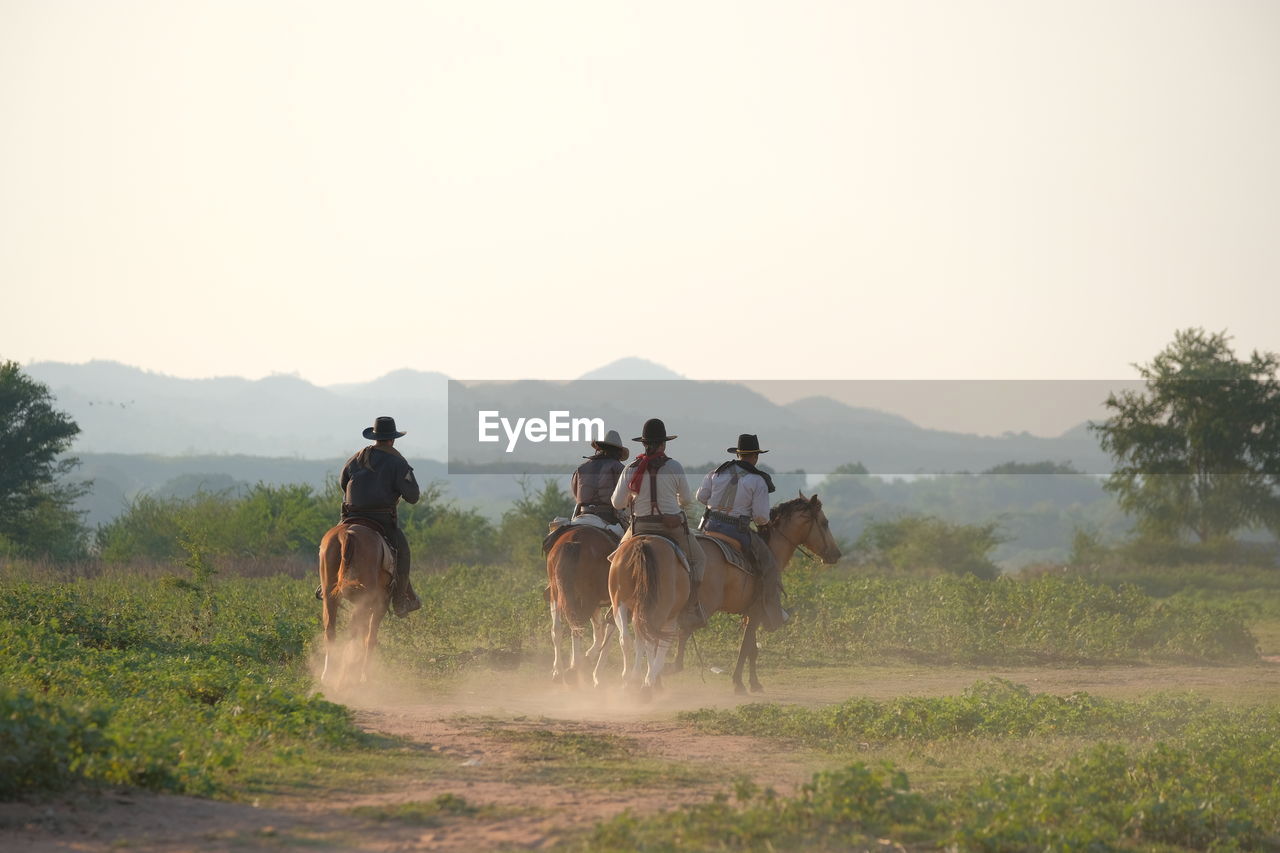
375 526
730 548
675 546
556 532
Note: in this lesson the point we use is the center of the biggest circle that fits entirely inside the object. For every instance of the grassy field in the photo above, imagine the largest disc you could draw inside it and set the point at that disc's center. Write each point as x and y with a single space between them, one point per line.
1015 714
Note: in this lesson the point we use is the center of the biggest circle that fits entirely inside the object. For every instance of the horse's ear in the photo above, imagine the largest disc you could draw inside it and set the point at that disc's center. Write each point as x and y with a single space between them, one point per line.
801 494
814 502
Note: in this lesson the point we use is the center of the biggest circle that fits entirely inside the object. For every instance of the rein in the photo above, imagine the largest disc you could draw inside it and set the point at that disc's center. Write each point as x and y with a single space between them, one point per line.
801 548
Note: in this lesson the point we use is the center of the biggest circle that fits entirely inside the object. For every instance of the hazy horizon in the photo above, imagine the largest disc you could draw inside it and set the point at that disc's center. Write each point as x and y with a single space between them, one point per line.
920 190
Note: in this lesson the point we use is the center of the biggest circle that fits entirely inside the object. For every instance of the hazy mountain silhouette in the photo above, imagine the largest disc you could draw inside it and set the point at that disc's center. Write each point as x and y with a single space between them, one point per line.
631 368
123 409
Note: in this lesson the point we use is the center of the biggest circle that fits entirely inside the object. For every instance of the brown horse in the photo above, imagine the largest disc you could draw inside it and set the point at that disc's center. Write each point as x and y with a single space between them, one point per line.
356 564
577 590
648 586
799 522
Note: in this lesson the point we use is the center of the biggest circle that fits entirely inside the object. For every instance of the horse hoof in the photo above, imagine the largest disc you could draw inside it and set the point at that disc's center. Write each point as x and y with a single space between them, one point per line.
646 694
675 667
757 688
740 689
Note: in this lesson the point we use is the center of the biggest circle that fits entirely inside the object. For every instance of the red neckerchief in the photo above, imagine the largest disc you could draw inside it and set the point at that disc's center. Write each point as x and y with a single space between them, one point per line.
642 465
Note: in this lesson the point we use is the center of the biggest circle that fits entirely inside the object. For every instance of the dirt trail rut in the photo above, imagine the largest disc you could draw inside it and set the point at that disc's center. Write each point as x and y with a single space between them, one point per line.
539 763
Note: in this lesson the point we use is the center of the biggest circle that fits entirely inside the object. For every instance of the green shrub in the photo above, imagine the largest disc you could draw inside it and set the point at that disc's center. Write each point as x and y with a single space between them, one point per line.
915 543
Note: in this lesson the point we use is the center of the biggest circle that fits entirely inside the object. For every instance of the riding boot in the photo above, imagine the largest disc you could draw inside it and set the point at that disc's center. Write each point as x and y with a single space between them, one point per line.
774 616
403 599
692 617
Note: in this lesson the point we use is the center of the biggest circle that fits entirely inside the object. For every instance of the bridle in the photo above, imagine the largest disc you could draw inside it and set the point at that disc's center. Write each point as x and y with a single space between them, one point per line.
799 547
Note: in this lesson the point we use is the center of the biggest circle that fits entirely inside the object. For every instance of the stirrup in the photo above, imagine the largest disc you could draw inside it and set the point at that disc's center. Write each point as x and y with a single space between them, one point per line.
405 604
692 617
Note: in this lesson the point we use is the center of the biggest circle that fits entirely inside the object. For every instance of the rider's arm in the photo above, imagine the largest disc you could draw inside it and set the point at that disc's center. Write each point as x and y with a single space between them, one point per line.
683 495
704 490
408 485
621 495
759 500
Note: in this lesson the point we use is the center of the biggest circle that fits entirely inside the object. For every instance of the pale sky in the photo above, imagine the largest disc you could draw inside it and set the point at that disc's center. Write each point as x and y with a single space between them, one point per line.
768 190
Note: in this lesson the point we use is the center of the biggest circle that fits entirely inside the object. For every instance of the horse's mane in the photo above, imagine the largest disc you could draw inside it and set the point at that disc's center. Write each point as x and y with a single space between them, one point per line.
782 512
786 508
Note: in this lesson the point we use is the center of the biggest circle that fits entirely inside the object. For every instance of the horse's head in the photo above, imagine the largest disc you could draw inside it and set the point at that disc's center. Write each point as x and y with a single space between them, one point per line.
802 522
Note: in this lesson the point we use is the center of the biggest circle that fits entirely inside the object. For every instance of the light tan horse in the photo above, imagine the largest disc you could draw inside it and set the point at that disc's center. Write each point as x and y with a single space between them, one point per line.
799 522
356 564
648 586
578 590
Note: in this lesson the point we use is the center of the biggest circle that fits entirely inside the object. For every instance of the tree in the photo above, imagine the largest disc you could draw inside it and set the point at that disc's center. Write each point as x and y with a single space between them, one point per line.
913 543
1199 449
34 504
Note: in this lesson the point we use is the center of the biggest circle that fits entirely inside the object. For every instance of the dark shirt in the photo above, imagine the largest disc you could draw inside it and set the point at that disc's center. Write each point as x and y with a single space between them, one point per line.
594 480
375 479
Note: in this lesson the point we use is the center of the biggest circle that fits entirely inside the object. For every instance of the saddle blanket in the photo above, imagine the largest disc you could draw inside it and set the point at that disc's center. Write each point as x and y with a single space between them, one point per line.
561 525
732 555
675 546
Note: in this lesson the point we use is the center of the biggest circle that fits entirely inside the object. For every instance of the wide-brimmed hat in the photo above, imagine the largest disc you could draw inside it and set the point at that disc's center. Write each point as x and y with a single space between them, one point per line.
612 439
383 429
654 432
747 443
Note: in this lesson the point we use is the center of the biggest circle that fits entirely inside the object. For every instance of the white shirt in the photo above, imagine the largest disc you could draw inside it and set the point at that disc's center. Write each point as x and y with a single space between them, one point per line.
751 500
673 490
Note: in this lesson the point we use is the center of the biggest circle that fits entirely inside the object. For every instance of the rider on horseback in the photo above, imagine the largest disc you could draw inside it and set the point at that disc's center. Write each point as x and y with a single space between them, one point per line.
736 494
373 482
594 481
655 486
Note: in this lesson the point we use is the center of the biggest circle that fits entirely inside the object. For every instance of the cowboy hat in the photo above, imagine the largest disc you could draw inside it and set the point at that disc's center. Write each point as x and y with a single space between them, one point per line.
383 429
612 439
654 432
747 443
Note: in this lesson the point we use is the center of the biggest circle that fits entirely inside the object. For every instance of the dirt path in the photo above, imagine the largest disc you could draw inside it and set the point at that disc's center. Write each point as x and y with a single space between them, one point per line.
534 764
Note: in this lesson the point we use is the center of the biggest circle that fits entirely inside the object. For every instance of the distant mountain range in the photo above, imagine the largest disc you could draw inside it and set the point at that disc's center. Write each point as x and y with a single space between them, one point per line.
122 409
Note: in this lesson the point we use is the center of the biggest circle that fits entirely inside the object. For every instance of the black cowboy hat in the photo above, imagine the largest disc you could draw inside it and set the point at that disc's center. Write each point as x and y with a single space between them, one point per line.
612 439
383 429
747 443
654 432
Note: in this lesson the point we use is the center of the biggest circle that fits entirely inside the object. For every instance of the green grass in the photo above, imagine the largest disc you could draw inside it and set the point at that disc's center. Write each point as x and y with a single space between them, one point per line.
599 761
1193 776
165 685
995 708
434 812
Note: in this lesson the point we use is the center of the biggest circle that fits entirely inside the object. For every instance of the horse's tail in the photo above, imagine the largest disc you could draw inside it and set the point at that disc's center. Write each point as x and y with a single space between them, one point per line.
348 577
640 563
568 597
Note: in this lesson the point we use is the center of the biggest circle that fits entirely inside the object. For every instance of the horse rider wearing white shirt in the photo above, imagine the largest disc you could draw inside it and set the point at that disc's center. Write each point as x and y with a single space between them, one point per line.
656 489
736 494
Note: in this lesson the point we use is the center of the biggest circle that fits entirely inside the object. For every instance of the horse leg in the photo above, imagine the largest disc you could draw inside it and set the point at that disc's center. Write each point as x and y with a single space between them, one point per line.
657 663
629 644
330 615
620 619
677 665
748 635
555 641
753 651
600 625
371 639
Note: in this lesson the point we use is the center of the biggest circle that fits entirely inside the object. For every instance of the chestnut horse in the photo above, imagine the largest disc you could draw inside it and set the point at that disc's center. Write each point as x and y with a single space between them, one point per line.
799 522
356 564
648 586
577 589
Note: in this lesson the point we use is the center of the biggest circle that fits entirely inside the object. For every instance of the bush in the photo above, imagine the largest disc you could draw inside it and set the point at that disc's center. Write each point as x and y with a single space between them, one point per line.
914 543
131 681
